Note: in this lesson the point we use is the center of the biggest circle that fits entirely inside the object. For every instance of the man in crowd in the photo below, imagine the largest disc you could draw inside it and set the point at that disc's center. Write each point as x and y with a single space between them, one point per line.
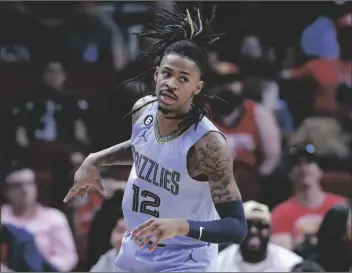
299 217
253 136
49 226
331 135
256 253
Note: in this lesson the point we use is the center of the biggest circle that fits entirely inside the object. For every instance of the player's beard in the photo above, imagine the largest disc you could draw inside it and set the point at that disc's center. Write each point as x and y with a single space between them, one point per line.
163 110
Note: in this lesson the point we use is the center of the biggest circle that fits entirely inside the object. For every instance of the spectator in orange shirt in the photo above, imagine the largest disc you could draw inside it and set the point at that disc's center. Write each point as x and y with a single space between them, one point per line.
253 136
319 40
328 74
301 215
251 130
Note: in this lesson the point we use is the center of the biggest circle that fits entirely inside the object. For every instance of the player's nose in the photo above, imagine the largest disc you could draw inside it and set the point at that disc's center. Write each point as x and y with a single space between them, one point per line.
170 85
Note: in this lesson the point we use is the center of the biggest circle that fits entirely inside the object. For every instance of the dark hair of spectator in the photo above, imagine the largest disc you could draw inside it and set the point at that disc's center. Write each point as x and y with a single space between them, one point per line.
307 266
16 165
344 94
179 33
330 248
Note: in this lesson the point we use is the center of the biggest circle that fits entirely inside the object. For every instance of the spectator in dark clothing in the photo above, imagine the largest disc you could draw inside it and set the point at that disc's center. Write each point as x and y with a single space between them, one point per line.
334 247
74 32
19 42
252 62
307 266
51 113
20 253
101 227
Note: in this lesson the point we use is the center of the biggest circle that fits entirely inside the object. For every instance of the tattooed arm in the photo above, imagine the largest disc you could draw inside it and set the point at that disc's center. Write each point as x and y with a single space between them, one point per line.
213 159
121 154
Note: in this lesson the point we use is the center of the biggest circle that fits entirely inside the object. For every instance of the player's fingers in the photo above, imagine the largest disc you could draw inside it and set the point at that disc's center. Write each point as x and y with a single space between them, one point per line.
146 240
72 192
153 231
139 235
141 226
157 241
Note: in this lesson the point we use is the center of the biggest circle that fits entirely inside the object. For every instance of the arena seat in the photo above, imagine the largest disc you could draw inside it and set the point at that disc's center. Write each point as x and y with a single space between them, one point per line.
337 182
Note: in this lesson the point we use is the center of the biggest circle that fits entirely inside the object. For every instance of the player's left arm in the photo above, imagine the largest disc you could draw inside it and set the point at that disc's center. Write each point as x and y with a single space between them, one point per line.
213 158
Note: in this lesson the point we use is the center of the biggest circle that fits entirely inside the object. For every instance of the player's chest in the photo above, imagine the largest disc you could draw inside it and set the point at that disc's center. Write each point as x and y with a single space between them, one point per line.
167 155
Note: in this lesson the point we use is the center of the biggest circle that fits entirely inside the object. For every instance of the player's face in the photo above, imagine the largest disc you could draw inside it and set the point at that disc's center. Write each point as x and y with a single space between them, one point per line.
177 81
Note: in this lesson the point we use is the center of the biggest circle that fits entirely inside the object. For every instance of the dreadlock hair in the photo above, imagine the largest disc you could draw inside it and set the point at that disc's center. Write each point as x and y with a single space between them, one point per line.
188 37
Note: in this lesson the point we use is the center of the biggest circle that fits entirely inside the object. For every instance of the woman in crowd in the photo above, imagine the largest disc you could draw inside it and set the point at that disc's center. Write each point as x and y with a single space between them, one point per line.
335 243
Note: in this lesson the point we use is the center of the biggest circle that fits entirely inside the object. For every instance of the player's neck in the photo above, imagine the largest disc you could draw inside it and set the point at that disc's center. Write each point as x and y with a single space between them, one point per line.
310 197
167 125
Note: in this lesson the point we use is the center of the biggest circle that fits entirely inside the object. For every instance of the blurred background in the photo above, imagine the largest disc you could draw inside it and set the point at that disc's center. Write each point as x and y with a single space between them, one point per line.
284 68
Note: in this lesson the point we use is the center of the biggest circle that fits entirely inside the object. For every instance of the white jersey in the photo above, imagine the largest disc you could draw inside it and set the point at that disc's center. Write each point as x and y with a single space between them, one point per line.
278 259
159 185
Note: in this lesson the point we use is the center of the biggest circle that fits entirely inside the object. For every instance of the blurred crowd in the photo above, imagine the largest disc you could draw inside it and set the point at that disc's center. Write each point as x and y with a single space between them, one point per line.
285 70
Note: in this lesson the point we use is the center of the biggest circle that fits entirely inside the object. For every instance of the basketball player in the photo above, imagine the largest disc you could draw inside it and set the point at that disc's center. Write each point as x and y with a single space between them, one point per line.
181 198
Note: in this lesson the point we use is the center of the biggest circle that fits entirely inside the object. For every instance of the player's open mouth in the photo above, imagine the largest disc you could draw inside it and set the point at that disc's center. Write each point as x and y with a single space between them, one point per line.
167 98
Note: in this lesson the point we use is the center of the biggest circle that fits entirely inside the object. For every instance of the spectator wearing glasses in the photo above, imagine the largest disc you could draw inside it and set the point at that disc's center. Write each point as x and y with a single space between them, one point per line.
299 217
257 253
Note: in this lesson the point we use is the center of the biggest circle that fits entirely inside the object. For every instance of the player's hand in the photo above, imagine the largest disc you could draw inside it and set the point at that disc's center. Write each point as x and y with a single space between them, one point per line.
86 177
155 230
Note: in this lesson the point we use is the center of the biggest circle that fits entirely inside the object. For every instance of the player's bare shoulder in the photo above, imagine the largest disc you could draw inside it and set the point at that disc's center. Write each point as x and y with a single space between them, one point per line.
212 157
140 106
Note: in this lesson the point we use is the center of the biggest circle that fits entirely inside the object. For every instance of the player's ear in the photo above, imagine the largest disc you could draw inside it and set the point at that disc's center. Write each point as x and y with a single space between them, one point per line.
156 73
198 87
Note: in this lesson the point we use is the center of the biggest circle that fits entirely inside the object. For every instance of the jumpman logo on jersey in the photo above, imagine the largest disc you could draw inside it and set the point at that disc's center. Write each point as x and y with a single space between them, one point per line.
190 257
143 135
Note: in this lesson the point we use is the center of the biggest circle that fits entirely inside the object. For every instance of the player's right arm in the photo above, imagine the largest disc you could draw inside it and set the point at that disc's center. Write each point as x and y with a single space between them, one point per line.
120 154
88 174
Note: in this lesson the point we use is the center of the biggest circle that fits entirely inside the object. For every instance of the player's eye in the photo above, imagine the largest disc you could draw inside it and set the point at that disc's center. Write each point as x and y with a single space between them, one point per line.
166 73
183 79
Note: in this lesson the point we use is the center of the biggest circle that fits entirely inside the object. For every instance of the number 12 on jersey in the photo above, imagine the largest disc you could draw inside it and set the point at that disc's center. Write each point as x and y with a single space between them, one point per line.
153 202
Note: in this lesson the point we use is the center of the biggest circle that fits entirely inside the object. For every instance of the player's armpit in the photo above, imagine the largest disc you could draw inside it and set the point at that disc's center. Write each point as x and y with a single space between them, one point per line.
213 159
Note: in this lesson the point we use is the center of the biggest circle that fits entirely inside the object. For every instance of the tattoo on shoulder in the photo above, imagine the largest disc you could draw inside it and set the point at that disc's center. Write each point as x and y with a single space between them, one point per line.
214 160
